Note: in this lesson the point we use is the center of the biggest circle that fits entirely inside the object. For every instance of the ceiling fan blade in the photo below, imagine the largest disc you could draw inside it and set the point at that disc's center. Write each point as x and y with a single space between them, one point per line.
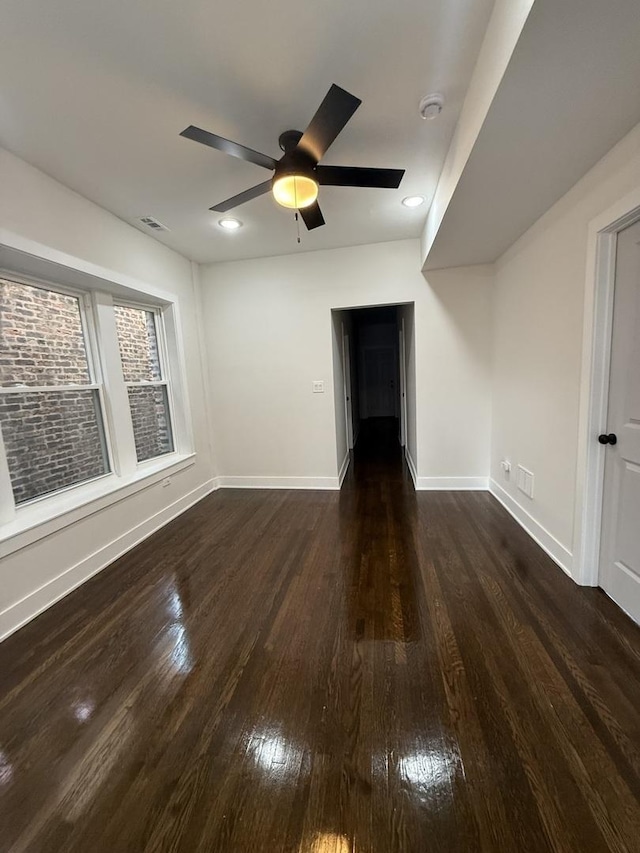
332 115
312 216
355 176
229 147
247 195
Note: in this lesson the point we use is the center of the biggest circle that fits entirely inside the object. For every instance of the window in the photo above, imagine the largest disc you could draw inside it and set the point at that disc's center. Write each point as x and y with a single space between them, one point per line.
143 371
85 393
50 404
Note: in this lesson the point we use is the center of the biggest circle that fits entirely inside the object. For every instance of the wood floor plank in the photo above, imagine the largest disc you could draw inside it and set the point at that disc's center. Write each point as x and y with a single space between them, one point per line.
357 672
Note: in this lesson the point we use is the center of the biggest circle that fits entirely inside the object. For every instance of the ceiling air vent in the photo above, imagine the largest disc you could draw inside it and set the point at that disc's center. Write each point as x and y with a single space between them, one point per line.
152 223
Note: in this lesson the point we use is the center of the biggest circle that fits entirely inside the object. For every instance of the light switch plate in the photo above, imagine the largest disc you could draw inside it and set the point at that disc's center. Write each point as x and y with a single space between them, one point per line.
318 386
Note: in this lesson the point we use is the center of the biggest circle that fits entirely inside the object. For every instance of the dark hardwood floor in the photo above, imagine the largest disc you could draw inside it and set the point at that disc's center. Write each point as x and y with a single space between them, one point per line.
370 670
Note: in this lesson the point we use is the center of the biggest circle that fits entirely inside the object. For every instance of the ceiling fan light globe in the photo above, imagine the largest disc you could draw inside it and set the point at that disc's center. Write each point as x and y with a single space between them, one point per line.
295 191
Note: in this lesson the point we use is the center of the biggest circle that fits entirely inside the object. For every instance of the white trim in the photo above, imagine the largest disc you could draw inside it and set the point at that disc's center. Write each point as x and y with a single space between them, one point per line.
412 466
117 411
233 482
7 274
594 385
7 503
346 387
549 544
444 484
342 473
36 520
46 389
23 611
402 357
148 383
176 374
452 484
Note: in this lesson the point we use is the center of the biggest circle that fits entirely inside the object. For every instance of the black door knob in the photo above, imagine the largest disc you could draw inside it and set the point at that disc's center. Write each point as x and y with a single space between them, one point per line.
612 438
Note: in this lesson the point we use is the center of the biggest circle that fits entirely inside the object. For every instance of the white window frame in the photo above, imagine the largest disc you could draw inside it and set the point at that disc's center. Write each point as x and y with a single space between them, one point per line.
10 507
165 372
98 289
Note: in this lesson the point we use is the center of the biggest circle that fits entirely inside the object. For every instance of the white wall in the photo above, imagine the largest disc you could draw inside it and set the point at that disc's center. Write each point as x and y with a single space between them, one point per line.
503 31
538 331
453 329
41 215
268 331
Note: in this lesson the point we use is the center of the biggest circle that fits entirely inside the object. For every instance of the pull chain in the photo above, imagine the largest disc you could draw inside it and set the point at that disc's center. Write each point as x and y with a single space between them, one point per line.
298 225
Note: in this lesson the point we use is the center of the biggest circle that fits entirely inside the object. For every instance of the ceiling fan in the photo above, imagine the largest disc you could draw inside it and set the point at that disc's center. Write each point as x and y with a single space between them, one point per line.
297 175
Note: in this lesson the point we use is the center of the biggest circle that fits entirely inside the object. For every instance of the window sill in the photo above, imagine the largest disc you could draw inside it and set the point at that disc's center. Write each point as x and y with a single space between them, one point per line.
47 516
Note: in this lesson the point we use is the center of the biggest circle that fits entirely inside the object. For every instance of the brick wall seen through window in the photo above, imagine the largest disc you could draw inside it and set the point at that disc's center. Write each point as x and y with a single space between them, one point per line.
146 386
53 436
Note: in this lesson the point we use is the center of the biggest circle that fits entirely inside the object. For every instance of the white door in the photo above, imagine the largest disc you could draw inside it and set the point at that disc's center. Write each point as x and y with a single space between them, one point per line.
620 543
346 369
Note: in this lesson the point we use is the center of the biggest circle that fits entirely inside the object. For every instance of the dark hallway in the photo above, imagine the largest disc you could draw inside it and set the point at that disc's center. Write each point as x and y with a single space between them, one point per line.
378 445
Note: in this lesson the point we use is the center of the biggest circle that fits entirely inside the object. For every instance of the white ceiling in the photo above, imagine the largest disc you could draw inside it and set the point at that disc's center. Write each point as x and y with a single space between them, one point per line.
570 92
96 93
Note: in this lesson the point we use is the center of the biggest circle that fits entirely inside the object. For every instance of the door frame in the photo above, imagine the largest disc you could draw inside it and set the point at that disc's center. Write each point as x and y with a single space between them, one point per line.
348 391
403 385
594 385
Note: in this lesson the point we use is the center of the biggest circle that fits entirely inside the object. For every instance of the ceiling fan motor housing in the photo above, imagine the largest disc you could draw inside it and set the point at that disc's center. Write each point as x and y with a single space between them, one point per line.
289 139
296 162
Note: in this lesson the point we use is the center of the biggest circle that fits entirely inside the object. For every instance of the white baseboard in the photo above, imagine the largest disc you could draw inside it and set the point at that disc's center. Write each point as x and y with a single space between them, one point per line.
412 467
425 484
343 468
449 484
36 602
555 549
331 483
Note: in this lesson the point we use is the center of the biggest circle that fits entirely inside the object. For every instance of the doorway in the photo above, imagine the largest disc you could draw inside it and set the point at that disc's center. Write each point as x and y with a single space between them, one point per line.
619 574
373 366
607 547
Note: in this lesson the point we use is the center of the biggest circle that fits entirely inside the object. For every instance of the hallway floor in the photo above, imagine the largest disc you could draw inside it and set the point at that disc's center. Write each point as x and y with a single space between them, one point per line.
370 670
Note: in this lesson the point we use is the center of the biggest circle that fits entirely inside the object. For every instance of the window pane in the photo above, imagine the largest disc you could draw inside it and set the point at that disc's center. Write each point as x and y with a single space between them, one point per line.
151 423
52 439
41 339
138 344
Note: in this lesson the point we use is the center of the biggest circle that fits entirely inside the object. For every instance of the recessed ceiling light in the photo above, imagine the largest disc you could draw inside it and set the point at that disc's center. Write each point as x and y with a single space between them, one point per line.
229 223
413 200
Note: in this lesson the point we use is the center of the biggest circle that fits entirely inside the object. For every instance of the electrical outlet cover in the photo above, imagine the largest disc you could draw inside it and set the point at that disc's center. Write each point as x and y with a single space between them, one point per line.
525 481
